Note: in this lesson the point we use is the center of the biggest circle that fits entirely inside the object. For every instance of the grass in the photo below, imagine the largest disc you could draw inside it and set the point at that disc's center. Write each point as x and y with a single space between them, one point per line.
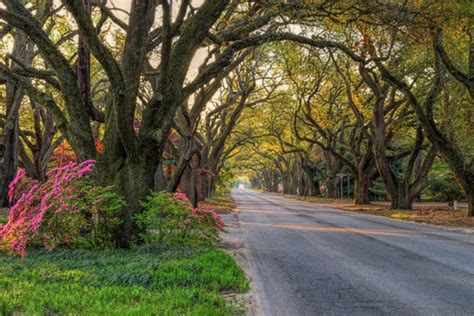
147 280
220 199
222 204
3 219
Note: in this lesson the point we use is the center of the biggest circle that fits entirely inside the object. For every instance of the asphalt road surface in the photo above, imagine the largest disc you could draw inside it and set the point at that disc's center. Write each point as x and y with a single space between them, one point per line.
315 260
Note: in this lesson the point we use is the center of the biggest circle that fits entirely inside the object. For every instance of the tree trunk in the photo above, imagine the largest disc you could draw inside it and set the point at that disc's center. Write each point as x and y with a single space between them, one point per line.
470 201
204 189
311 183
132 177
315 190
361 190
10 152
133 180
274 181
186 153
22 50
160 178
292 183
212 184
467 183
332 186
188 185
268 181
302 185
406 202
286 184
398 200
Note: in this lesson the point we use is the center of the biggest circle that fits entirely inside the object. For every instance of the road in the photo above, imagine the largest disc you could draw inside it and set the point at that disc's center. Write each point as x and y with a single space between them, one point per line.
315 260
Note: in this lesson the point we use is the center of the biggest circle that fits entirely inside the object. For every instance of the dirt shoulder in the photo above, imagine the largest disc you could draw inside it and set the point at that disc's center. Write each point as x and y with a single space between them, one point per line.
426 212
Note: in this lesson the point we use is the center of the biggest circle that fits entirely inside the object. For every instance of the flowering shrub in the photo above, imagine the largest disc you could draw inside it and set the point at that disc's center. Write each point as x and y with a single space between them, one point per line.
171 218
65 210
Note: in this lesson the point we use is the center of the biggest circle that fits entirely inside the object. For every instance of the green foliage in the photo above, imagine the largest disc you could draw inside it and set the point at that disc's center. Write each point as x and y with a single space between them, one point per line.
170 218
223 188
103 214
443 186
149 280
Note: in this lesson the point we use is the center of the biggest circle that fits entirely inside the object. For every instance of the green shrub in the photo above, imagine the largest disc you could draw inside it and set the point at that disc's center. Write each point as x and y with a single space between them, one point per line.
445 188
102 209
171 218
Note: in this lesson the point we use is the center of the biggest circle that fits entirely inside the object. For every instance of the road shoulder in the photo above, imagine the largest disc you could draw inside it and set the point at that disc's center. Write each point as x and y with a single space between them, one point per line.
403 216
232 242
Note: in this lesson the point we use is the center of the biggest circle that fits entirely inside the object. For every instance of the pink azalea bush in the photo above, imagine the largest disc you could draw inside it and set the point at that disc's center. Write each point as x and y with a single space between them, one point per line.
171 217
65 210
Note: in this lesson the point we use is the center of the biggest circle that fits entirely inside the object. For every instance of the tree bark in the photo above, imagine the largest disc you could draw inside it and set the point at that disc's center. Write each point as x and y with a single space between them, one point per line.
160 178
470 200
274 181
10 138
22 50
285 181
332 185
188 185
466 179
361 190
134 180
405 202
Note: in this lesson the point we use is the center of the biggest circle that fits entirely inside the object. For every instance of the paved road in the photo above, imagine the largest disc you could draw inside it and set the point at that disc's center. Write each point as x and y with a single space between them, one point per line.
313 260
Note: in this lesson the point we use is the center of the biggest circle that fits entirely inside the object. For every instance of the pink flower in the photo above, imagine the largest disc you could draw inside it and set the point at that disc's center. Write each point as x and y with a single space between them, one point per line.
12 186
182 197
39 206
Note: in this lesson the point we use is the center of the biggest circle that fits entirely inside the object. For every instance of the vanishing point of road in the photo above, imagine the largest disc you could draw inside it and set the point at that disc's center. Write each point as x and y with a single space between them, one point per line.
316 260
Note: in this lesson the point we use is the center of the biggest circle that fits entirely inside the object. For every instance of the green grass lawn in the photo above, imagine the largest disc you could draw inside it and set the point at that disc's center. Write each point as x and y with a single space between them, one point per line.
165 280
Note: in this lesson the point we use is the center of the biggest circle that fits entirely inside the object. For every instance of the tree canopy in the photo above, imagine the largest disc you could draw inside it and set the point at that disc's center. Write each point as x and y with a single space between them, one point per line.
170 95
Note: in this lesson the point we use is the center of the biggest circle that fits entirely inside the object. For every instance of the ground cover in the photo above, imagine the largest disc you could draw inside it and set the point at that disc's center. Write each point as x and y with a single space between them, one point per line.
145 280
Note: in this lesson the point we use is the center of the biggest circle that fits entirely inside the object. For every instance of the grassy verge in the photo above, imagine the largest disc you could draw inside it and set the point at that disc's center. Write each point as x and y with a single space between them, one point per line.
221 204
422 213
143 281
